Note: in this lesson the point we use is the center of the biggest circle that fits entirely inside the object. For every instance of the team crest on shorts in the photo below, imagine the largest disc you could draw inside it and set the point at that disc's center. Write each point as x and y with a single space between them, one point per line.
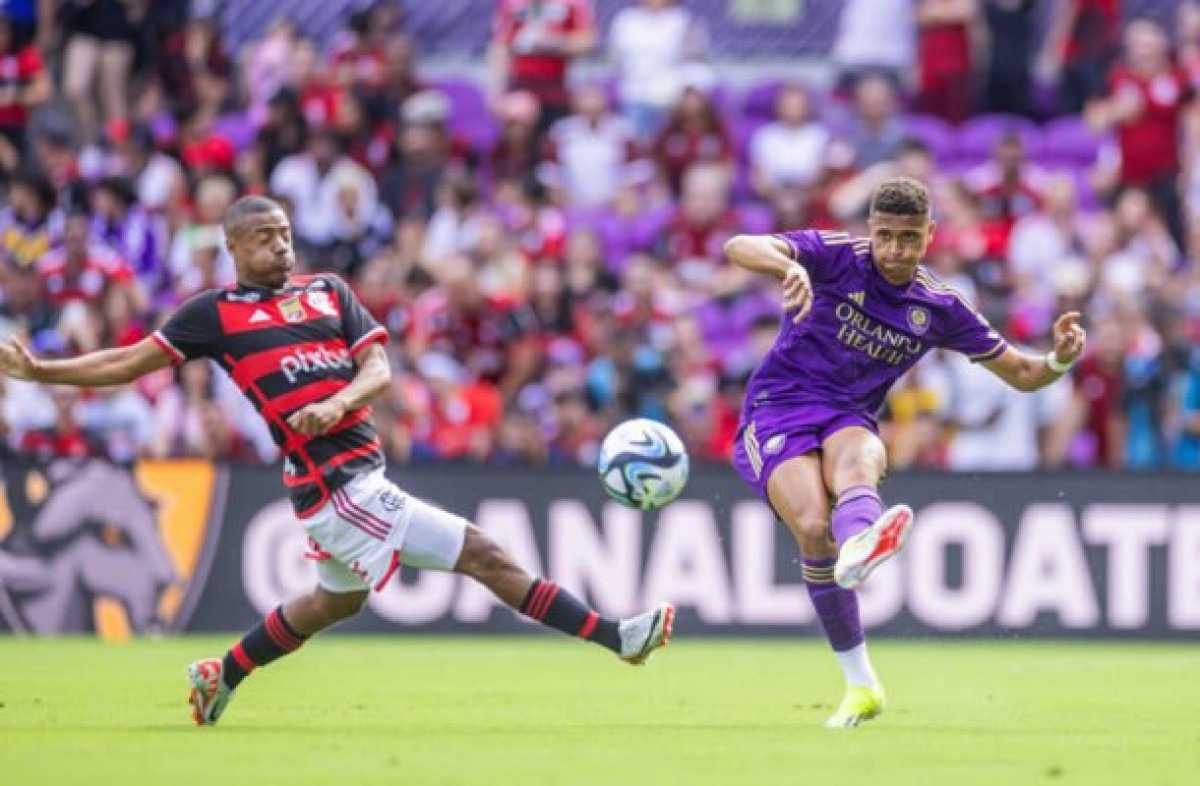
774 444
292 310
321 303
918 320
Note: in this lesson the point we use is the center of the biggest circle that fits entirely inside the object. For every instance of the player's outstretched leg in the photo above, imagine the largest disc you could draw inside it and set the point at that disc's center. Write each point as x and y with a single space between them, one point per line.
282 632
633 639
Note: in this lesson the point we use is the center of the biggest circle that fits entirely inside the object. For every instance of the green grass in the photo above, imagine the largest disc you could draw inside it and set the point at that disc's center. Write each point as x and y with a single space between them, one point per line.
408 710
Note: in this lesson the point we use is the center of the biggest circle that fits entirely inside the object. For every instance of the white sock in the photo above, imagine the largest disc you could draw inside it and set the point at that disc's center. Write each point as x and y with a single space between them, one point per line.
856 665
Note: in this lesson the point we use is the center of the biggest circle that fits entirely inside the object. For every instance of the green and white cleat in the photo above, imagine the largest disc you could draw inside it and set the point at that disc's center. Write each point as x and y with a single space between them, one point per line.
645 633
872 547
209 696
859 704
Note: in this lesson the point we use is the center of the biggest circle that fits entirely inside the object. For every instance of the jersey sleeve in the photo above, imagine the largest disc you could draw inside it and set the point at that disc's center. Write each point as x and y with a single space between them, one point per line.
358 326
814 249
968 332
193 331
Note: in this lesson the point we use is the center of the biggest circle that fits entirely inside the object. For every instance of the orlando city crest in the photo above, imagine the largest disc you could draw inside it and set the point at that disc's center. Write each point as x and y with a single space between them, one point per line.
93 547
918 320
292 310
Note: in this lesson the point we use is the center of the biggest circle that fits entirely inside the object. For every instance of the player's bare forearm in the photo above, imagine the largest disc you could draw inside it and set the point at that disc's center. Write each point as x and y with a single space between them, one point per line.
760 254
95 369
372 379
1023 371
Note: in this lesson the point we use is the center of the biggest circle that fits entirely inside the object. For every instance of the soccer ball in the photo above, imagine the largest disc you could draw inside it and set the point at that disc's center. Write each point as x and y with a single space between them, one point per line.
643 464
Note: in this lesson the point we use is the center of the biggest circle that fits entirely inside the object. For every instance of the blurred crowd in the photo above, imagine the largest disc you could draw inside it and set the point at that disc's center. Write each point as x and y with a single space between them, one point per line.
545 249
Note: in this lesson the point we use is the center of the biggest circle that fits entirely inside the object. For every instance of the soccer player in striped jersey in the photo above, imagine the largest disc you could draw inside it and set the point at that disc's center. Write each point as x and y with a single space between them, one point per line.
310 358
861 312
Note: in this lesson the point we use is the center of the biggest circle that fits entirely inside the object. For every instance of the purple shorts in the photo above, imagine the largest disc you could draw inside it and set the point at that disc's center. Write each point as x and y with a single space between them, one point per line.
769 436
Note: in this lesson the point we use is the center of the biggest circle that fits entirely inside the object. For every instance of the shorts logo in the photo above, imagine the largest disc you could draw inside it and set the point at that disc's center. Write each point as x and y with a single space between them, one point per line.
292 310
775 444
918 320
391 501
321 303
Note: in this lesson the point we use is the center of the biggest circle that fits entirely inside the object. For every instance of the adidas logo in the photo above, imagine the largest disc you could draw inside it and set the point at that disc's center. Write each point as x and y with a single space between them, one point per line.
259 316
857 297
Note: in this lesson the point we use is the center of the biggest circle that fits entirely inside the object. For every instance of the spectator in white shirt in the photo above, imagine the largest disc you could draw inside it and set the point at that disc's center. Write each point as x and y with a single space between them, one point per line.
593 154
650 43
875 36
334 198
790 151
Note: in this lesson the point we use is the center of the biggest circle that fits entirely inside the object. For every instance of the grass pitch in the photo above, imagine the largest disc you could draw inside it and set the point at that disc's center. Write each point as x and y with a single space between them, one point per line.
412 710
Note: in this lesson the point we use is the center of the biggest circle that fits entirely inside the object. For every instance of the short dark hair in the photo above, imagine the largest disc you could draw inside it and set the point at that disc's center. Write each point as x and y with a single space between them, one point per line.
901 196
247 206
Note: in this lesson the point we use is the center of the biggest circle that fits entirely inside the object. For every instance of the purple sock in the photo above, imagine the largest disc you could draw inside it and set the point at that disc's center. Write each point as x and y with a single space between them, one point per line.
857 508
837 608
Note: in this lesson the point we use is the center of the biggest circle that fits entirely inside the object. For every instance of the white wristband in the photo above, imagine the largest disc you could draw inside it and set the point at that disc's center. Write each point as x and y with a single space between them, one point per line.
1056 365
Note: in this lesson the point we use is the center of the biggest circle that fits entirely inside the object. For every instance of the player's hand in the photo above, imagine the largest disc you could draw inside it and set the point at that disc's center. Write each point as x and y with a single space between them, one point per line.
316 419
17 362
1069 337
797 292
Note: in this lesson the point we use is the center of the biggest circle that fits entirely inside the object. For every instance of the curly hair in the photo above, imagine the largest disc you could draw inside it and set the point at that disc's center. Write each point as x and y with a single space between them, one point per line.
901 196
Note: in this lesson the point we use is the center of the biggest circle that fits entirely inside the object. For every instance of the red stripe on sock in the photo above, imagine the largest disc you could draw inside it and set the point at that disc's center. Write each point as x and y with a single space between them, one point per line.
280 634
547 598
589 625
533 599
242 658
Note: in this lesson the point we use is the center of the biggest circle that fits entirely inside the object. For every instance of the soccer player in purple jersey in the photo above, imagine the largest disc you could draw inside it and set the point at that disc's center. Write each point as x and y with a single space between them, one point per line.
311 358
862 312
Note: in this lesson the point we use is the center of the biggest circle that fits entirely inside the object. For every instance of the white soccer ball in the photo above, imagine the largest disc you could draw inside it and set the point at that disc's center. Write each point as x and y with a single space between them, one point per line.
643 464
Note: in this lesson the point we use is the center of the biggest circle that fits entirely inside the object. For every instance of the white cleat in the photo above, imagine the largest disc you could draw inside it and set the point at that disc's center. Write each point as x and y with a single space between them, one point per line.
872 547
209 696
643 634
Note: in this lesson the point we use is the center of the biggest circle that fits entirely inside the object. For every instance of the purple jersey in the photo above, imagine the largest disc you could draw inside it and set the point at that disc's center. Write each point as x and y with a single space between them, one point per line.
863 332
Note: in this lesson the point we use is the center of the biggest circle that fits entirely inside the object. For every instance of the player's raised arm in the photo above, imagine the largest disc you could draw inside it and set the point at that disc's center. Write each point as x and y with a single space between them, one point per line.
95 369
770 254
1027 372
760 254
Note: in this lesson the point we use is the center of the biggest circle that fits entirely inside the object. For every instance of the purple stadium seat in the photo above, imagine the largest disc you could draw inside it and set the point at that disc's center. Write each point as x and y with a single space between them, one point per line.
1069 140
758 103
934 132
755 218
978 136
239 129
470 116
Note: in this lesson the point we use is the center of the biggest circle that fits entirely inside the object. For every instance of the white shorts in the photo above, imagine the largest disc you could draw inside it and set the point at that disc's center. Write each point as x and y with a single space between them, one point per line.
369 528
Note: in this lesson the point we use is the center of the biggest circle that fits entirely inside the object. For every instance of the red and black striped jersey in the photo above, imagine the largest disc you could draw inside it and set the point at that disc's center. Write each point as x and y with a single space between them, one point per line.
286 349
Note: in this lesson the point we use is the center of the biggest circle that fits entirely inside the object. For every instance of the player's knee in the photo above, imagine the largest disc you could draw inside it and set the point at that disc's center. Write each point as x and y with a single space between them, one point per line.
482 557
862 469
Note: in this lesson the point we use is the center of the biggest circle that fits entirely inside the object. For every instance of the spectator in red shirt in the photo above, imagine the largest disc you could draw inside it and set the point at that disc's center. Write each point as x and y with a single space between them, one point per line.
195 70
1007 187
1081 45
945 30
694 133
533 44
1147 97
24 85
694 240
81 270
66 438
495 337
